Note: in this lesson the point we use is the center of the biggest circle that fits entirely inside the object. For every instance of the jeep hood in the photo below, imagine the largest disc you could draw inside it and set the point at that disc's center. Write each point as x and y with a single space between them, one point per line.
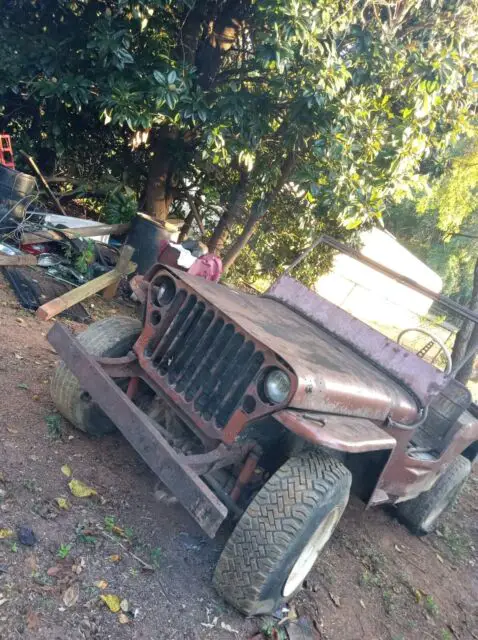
332 377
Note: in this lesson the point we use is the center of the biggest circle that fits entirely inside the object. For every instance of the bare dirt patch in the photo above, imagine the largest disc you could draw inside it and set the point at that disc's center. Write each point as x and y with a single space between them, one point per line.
374 580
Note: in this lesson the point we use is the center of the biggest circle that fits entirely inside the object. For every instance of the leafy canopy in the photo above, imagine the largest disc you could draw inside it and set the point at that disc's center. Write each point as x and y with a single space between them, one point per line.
362 97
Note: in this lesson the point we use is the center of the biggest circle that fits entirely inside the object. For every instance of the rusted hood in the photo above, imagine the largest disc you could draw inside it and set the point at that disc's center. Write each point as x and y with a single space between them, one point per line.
332 377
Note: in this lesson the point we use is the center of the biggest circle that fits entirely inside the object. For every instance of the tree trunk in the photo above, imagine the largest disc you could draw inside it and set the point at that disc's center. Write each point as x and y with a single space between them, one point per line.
232 213
159 187
466 336
258 211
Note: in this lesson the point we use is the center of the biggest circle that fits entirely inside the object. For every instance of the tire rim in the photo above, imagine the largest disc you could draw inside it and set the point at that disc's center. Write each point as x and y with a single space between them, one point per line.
311 551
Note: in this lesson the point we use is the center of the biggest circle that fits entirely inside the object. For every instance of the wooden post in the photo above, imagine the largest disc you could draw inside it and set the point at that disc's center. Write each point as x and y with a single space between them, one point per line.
45 184
121 268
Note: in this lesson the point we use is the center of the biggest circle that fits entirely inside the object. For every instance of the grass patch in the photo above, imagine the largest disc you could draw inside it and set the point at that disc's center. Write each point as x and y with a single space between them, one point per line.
63 550
53 423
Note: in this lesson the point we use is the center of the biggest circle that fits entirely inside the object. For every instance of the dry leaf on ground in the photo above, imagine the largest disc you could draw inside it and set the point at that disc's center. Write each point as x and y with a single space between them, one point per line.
6 533
115 558
123 618
112 602
66 470
101 584
63 503
81 490
71 595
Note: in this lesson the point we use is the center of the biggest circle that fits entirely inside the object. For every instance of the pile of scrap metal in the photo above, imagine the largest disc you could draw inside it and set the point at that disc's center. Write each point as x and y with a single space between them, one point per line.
37 246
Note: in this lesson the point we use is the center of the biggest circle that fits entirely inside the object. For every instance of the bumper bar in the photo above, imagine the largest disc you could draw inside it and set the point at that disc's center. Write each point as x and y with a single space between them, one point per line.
208 511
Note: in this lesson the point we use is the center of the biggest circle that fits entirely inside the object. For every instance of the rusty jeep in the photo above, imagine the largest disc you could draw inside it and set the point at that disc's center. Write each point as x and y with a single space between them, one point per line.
268 410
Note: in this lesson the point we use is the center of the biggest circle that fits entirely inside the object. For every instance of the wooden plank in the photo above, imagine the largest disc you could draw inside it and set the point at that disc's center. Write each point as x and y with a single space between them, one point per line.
122 268
48 235
23 260
54 307
45 184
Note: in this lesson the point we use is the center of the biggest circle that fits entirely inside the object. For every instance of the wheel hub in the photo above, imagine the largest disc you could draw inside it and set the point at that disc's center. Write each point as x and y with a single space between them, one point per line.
311 551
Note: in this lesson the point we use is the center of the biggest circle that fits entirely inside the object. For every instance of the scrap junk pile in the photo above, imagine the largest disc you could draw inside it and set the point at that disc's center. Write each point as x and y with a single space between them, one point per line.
54 261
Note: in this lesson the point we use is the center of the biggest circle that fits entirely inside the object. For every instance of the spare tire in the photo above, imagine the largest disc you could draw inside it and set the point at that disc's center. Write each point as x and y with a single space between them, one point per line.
112 337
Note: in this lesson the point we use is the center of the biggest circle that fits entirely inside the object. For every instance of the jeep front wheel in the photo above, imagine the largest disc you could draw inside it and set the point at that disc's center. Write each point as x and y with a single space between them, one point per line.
282 532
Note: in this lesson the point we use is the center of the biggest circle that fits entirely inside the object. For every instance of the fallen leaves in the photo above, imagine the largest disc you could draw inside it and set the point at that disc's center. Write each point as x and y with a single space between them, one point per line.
123 618
81 490
101 584
71 595
63 503
115 558
66 470
33 621
6 533
112 601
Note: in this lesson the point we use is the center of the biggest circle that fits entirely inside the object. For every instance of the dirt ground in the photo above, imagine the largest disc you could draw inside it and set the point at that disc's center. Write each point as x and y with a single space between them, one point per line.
374 581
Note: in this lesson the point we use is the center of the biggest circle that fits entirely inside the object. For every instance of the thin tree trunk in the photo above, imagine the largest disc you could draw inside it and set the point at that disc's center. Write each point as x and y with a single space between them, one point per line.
466 335
258 211
232 213
159 195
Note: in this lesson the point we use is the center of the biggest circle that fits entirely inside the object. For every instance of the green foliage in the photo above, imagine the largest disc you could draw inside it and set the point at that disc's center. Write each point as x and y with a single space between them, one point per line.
120 206
86 257
64 550
439 223
363 96
53 423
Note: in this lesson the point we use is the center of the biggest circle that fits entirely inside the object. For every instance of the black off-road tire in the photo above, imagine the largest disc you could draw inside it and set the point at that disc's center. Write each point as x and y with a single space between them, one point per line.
422 514
112 337
276 527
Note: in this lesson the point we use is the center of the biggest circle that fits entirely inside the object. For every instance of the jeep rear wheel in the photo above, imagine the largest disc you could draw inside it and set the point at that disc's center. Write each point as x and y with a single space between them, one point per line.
421 514
112 337
282 532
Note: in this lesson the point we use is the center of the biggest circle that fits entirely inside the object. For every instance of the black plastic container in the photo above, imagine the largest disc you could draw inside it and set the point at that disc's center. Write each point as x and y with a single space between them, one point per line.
144 237
15 187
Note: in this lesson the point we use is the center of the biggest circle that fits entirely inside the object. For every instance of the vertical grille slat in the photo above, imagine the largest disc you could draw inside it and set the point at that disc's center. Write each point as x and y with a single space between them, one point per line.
204 359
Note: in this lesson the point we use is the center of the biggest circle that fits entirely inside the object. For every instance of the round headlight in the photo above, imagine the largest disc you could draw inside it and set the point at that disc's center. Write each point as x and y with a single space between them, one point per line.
277 386
166 290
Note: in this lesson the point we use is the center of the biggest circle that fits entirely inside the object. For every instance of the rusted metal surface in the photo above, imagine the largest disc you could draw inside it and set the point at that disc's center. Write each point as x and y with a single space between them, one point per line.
245 475
406 475
206 363
141 432
342 433
423 378
331 376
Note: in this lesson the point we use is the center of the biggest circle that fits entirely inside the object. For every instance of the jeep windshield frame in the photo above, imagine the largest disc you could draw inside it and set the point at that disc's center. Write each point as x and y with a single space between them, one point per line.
448 303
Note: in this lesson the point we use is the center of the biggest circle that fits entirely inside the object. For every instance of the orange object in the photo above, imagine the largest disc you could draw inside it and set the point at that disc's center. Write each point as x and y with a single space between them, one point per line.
6 151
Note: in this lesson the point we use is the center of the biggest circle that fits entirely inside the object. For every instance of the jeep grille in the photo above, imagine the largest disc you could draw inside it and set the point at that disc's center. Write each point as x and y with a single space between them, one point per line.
204 358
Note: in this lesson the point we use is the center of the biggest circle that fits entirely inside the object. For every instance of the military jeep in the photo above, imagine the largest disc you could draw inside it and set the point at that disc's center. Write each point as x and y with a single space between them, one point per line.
267 409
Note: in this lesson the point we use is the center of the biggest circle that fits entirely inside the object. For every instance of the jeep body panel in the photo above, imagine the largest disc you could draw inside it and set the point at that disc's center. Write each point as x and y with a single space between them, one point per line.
331 376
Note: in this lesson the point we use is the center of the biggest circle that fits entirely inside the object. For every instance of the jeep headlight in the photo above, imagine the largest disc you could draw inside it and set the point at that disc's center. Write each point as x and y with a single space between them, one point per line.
277 386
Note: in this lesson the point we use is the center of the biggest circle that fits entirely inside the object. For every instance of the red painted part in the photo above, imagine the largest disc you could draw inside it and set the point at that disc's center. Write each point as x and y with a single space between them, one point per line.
6 151
245 475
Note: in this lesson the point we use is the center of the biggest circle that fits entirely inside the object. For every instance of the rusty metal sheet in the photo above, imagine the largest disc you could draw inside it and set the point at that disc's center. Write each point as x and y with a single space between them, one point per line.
423 378
141 432
342 433
332 377
405 476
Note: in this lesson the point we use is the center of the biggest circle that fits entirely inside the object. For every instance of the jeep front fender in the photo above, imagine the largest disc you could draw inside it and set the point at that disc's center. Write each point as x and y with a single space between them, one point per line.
341 433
